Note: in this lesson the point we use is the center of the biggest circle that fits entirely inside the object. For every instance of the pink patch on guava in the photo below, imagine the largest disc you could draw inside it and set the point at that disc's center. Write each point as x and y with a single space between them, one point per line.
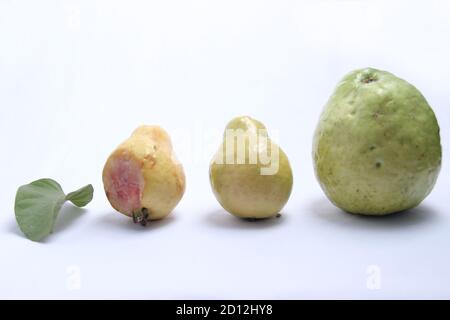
123 184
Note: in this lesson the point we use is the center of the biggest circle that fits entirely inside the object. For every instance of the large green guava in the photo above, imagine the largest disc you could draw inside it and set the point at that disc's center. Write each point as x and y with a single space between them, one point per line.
376 148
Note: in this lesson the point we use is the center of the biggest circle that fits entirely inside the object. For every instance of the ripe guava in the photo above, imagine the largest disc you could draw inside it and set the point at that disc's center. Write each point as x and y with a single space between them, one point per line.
250 175
142 177
376 147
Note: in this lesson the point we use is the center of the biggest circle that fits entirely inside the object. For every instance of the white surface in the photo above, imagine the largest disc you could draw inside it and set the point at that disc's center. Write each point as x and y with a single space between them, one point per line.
76 77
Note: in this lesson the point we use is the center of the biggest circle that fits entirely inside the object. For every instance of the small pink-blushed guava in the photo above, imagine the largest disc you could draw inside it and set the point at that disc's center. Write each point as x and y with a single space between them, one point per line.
143 178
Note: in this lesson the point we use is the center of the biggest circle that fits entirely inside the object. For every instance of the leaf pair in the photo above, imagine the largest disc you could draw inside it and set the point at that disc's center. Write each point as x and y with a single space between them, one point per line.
37 205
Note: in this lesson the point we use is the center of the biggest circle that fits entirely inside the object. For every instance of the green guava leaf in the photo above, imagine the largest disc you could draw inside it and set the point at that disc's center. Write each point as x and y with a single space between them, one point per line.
82 196
37 205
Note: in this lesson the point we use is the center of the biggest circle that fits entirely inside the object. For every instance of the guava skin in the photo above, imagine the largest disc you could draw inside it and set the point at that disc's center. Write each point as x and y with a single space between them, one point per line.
376 148
142 178
241 189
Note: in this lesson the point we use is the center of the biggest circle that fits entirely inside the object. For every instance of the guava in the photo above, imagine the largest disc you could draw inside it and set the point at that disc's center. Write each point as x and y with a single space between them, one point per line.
250 175
142 177
376 148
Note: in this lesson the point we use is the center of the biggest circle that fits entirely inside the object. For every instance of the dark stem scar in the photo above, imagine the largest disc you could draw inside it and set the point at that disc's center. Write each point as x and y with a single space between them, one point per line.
141 216
368 78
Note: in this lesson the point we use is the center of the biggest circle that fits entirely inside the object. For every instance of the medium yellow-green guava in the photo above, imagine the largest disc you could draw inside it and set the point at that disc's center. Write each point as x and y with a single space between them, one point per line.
252 189
376 148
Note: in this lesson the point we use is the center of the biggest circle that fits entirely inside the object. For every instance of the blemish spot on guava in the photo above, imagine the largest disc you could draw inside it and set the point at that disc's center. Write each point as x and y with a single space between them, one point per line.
378 164
372 147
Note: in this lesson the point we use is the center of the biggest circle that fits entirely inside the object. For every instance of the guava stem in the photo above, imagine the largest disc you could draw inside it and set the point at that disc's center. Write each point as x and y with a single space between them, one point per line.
141 216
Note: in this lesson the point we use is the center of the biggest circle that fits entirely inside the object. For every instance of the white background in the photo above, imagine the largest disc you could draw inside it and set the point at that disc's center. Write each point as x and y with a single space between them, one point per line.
76 77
